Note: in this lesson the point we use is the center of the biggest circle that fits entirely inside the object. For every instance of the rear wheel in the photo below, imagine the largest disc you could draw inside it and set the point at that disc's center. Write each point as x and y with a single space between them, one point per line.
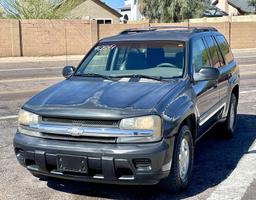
228 127
182 163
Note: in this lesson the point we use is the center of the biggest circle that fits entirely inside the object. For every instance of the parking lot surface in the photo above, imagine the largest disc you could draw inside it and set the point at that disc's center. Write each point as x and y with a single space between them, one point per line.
223 169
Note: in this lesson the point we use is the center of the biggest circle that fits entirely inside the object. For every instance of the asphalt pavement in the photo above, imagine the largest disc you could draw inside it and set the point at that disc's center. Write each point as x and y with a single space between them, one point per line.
224 169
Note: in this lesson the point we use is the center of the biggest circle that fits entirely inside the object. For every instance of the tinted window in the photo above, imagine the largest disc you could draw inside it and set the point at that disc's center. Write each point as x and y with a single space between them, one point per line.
225 50
221 58
200 56
213 51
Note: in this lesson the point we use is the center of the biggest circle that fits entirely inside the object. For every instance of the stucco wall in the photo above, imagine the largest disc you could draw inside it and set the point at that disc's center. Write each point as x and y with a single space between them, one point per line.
55 37
9 38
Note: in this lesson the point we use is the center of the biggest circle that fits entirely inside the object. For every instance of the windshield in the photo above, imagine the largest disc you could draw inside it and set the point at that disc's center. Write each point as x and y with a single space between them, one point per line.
156 59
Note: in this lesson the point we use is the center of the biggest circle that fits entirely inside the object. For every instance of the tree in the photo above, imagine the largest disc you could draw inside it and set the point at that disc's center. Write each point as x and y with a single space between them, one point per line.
149 8
172 10
1 12
252 3
37 9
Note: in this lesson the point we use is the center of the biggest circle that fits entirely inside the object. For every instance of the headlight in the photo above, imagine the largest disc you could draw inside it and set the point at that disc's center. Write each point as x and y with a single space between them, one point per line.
27 118
151 123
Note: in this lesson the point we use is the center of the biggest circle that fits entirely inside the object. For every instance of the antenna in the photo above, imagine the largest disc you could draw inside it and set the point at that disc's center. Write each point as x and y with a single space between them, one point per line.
66 42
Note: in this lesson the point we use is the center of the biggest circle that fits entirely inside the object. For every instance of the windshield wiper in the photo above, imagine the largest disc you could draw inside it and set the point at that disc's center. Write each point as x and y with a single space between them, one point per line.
157 78
95 75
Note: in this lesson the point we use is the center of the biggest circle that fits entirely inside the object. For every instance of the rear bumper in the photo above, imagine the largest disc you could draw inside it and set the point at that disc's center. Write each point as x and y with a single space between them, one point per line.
144 164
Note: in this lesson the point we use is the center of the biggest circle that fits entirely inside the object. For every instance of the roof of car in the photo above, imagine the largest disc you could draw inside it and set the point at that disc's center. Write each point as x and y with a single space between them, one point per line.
155 35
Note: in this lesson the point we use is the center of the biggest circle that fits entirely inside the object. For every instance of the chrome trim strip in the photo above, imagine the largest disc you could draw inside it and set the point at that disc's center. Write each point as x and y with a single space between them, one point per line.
202 122
98 177
78 131
126 178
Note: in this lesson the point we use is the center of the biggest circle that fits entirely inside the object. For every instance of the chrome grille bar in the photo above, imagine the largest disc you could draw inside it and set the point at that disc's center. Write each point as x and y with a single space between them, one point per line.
79 131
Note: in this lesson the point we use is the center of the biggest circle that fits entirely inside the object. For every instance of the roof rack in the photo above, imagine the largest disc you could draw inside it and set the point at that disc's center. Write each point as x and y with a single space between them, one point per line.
155 28
171 27
193 28
204 29
137 30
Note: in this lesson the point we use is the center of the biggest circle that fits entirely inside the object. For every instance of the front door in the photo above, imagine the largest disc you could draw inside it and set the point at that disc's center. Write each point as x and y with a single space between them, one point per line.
207 91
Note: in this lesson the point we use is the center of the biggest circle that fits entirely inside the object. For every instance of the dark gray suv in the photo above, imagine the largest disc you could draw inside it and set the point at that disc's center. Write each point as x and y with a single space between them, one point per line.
133 110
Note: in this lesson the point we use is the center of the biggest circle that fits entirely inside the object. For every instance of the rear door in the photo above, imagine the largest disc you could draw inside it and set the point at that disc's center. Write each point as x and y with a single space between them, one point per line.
226 68
207 91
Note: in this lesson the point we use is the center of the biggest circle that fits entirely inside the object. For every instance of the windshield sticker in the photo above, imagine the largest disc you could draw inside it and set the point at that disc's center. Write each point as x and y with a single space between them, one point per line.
105 47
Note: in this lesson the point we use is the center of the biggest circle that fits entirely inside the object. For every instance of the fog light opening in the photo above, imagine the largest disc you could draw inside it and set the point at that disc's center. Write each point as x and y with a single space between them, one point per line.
143 164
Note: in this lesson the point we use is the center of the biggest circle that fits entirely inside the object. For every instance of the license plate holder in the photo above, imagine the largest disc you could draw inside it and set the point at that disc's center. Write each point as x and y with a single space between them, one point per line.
70 163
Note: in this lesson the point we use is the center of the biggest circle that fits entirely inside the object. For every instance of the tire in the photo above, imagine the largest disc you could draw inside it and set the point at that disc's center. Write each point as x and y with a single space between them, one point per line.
178 181
227 128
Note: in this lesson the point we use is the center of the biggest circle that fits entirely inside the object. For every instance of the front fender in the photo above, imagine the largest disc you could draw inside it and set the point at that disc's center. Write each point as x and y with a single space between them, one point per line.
176 112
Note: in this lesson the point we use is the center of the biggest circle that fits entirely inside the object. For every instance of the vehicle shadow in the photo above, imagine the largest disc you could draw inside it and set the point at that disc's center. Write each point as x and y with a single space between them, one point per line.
215 159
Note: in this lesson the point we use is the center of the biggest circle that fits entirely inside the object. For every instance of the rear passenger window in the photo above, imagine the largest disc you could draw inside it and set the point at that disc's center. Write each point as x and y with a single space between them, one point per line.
213 51
225 50
200 56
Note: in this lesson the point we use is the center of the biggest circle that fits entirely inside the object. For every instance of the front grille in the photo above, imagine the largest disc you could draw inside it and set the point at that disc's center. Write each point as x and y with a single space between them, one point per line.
79 123
80 139
82 122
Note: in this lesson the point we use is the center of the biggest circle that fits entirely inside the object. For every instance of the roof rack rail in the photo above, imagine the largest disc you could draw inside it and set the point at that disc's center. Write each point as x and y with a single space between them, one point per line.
137 30
193 28
204 29
154 28
168 27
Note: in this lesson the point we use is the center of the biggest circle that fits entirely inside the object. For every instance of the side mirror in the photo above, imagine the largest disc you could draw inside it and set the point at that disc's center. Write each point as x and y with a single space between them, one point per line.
68 71
207 74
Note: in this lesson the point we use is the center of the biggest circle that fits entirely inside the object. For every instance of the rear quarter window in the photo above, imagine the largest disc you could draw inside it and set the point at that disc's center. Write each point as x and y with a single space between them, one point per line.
225 49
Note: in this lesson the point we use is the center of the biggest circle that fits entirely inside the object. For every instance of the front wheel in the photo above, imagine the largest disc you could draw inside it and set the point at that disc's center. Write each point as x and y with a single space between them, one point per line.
182 163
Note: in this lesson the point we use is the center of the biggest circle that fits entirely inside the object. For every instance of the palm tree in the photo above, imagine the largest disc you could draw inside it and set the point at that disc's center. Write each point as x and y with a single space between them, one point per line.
37 9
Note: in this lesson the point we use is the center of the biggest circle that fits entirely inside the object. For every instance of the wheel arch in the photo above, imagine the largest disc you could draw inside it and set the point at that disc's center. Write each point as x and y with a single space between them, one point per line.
190 121
235 91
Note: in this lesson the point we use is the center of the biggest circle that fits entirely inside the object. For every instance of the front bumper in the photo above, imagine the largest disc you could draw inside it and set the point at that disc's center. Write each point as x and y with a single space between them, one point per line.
144 164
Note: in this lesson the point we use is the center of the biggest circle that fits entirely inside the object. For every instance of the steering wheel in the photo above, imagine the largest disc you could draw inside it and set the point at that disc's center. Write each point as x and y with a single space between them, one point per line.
166 65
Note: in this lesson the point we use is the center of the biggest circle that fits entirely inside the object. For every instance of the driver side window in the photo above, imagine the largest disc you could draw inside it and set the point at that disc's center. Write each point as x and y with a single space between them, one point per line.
200 57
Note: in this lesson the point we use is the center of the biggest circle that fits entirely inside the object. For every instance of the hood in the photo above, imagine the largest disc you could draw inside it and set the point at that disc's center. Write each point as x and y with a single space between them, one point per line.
84 94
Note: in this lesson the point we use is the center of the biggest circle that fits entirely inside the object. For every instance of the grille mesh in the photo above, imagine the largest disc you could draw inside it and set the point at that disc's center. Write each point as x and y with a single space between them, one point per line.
83 122
80 139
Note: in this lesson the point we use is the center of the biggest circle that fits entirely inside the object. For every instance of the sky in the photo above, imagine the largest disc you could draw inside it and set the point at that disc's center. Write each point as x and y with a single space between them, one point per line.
116 4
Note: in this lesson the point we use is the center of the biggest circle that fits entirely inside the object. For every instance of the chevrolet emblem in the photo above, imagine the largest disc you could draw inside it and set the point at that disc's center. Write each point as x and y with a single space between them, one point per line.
76 131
